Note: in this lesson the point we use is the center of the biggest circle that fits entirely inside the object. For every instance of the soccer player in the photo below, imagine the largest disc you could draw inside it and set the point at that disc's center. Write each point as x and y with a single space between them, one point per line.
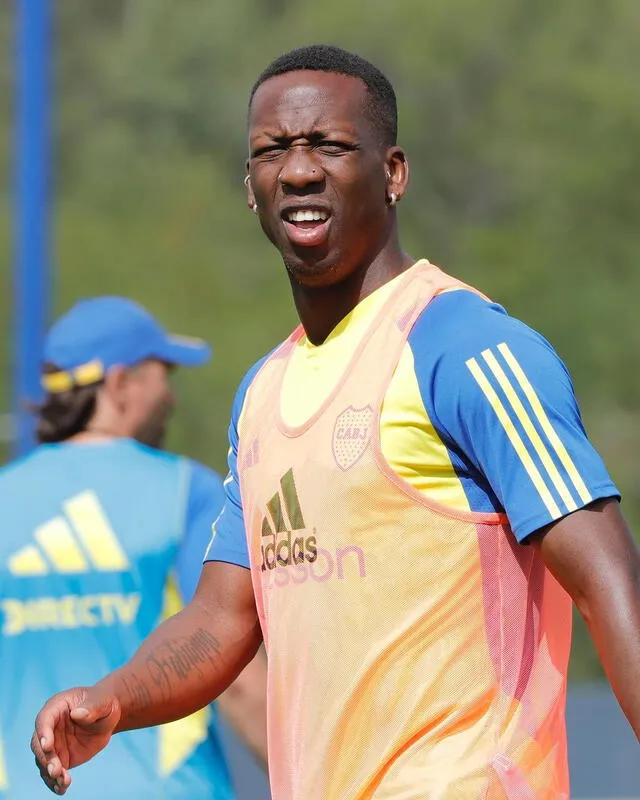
411 506
103 536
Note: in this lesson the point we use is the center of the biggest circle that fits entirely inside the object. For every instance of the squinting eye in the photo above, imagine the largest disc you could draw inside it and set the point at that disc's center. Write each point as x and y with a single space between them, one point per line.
270 152
333 148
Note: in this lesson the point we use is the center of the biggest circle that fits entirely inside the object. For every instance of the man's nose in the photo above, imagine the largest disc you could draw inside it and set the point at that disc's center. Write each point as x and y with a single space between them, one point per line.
300 170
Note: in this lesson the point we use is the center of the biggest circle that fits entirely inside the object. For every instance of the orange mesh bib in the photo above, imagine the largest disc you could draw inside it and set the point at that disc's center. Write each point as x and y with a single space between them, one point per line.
415 653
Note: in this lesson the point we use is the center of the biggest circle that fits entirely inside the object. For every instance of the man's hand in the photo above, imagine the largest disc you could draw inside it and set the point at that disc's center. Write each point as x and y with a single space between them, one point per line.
182 666
70 729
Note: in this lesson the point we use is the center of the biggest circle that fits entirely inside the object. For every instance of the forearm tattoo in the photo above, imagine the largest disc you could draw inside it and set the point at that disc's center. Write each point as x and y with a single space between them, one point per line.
138 694
176 660
167 666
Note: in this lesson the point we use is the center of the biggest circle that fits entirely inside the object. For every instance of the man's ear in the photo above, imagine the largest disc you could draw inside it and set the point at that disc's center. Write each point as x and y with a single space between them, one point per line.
251 200
115 385
397 173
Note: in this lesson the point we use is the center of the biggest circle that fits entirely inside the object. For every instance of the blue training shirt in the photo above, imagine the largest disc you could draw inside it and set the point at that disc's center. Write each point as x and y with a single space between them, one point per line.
100 542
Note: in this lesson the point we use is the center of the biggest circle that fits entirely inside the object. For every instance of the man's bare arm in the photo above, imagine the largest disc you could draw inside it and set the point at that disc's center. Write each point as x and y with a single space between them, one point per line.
592 554
192 657
181 667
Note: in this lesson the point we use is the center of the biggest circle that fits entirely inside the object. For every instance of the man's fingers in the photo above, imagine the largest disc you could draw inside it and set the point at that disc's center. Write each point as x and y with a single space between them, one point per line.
62 782
53 738
42 757
46 738
49 767
54 775
45 723
56 778
55 768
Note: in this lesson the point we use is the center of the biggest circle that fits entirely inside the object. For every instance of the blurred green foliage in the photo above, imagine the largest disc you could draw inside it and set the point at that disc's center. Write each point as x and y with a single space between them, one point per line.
522 123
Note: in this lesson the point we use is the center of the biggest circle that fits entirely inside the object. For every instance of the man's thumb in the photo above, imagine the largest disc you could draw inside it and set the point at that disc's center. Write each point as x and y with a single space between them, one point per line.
88 714
82 714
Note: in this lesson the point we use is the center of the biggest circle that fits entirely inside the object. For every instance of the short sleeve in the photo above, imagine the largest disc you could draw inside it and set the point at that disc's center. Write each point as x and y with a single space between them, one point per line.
228 538
503 401
204 502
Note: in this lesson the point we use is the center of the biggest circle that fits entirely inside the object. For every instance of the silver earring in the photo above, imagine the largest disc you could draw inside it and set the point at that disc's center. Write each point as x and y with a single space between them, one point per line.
246 181
254 208
393 199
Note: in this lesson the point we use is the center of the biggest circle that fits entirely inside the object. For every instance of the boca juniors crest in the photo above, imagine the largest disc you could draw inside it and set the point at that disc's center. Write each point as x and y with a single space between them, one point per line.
351 435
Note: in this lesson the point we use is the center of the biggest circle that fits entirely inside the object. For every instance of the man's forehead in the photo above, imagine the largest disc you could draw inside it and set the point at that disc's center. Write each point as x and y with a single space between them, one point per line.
314 95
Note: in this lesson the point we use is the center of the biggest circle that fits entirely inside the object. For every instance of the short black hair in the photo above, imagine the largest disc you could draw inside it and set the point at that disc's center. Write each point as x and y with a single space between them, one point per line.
381 106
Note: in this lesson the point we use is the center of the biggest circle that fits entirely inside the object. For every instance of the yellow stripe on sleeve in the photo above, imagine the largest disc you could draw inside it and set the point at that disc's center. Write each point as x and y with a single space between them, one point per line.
530 429
547 427
514 437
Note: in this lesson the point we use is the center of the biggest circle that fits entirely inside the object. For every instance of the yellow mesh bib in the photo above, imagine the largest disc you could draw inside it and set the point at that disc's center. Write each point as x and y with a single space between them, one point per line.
415 652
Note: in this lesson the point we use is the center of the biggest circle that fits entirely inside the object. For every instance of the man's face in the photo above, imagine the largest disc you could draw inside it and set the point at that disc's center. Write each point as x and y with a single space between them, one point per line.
149 401
318 174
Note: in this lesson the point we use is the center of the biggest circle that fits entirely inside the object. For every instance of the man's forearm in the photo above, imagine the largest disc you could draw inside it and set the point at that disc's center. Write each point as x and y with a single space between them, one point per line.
594 557
614 625
181 667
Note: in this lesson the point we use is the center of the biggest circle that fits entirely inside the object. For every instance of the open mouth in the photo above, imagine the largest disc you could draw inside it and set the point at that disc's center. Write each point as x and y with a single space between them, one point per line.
307 227
306 215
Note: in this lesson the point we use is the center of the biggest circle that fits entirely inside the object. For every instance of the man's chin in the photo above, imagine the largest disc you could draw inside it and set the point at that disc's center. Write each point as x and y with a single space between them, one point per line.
322 275
313 267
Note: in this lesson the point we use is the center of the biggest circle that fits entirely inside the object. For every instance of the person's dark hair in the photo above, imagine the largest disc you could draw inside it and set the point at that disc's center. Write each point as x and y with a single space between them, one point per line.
62 415
381 106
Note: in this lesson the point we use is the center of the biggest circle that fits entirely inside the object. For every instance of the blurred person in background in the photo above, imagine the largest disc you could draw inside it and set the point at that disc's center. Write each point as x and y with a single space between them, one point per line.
104 536
411 507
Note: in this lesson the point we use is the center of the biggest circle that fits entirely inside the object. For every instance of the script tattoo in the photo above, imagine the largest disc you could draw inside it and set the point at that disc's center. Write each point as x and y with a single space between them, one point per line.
176 660
138 693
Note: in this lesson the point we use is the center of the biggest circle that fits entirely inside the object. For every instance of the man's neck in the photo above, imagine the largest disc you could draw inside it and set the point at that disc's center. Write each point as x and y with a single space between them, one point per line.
93 435
320 309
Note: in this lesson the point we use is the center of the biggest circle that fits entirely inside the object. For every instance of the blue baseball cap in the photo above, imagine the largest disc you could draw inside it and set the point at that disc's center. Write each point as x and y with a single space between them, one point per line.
99 333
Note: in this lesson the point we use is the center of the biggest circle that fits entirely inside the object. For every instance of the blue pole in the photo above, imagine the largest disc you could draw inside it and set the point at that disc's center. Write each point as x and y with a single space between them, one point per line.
31 229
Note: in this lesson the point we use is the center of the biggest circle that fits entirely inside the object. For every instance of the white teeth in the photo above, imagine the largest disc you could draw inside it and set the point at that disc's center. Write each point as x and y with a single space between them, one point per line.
307 215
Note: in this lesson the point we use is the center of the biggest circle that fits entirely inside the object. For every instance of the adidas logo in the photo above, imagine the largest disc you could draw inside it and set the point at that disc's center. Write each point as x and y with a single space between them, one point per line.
76 542
281 547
